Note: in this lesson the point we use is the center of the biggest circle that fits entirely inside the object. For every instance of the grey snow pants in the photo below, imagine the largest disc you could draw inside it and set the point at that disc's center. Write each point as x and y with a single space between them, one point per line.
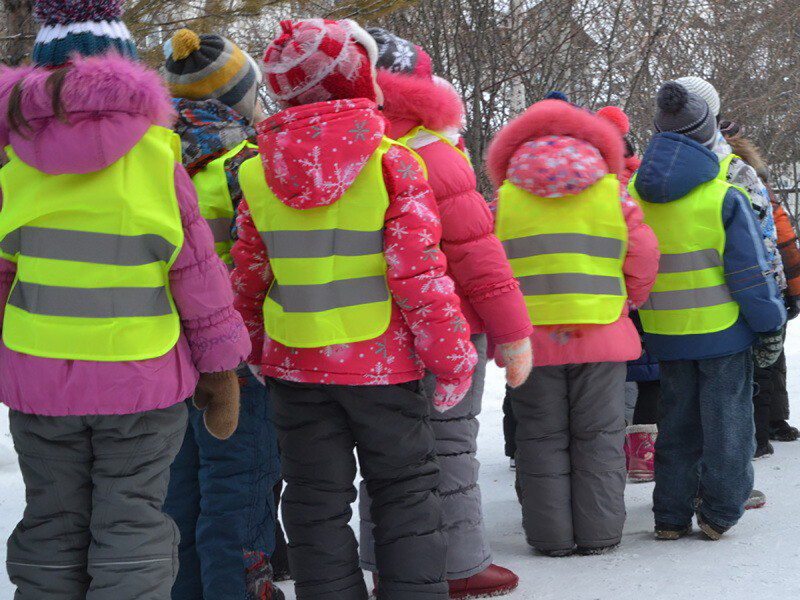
456 432
93 527
319 426
570 458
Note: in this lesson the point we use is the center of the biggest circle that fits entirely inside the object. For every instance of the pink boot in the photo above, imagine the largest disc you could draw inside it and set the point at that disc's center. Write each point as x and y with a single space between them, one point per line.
640 452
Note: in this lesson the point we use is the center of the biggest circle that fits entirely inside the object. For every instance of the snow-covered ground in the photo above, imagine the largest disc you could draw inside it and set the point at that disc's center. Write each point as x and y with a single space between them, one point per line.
757 559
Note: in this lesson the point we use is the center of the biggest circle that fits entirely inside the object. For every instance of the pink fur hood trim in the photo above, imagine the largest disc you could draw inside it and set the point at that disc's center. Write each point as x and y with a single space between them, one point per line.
423 101
554 118
108 83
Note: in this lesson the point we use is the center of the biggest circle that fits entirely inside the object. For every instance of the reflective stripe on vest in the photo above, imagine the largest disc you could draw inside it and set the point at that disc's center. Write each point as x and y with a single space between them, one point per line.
93 253
330 272
216 204
690 295
567 253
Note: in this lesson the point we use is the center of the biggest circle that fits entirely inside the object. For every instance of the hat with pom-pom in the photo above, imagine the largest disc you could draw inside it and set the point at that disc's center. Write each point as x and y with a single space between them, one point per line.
680 111
704 89
201 67
315 60
79 27
398 55
617 117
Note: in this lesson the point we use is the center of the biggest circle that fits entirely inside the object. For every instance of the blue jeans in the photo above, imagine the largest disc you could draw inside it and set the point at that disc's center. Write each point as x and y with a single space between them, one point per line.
706 440
220 495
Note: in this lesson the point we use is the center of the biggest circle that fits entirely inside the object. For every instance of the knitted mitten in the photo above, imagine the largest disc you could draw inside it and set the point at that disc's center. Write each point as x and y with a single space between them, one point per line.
518 359
218 395
768 349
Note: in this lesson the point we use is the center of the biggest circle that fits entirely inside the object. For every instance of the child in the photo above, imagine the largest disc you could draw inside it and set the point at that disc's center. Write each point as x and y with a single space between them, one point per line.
712 296
338 260
115 301
426 114
577 244
220 493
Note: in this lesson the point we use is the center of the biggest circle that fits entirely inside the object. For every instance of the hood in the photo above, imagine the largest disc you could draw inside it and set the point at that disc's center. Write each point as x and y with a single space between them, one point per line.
411 101
313 153
208 129
557 119
673 166
110 102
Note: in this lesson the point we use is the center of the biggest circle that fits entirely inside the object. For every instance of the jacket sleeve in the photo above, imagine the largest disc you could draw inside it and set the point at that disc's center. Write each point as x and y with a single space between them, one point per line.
8 270
417 270
746 269
201 288
475 256
251 278
641 262
787 244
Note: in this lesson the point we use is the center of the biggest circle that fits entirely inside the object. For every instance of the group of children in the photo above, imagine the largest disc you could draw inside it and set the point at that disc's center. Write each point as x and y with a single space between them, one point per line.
326 283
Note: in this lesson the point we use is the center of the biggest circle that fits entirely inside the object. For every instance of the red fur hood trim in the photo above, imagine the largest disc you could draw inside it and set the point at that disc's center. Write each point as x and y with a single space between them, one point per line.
433 105
554 118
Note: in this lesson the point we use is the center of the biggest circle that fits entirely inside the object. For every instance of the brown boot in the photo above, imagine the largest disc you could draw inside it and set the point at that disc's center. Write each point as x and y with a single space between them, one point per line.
218 395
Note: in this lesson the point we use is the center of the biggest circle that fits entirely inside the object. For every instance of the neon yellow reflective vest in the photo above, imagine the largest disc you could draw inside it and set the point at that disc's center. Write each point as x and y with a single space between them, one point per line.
93 253
567 253
690 295
408 141
330 271
216 204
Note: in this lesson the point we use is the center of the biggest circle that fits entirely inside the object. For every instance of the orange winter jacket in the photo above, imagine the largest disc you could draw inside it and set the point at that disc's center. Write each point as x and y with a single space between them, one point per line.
787 243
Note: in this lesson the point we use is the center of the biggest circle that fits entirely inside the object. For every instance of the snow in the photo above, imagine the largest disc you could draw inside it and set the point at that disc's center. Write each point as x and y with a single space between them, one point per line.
755 560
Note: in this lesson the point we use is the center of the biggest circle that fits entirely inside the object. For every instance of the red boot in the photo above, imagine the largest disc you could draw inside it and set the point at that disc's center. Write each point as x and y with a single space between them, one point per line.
492 581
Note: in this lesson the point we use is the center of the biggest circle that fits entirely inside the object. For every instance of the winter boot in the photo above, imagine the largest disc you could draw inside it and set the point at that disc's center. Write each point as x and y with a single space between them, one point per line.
640 451
756 500
258 578
597 551
671 532
492 581
764 451
712 531
563 553
781 431
512 464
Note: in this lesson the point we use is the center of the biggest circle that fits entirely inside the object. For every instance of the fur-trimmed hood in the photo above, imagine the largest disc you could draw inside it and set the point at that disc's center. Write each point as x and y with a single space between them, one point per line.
410 101
554 118
110 102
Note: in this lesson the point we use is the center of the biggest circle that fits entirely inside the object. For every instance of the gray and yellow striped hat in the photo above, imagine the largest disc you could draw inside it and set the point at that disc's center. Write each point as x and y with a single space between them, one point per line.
199 67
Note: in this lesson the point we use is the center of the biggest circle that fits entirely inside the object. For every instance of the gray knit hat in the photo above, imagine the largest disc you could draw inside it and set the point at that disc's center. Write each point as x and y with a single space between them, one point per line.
201 67
701 87
680 111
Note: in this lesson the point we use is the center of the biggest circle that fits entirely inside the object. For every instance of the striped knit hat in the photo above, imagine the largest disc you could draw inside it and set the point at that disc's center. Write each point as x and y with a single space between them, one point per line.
315 60
701 87
83 27
200 67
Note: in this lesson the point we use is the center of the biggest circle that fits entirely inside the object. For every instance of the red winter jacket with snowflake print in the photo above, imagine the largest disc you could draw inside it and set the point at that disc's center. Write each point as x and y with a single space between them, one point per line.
311 155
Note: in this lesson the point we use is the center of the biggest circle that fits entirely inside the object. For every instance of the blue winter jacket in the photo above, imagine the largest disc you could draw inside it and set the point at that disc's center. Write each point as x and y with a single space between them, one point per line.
673 166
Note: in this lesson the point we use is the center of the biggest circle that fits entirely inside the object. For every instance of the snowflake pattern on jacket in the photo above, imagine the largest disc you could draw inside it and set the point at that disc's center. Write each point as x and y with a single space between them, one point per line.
311 155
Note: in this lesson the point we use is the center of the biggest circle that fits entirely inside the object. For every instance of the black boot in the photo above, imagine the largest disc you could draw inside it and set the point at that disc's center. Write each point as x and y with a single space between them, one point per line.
781 431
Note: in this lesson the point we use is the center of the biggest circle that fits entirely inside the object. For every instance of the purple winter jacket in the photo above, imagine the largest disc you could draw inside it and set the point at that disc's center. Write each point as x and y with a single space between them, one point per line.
110 103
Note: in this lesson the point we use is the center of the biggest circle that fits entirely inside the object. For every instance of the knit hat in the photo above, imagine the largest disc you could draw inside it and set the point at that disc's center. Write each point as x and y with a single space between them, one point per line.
556 95
701 87
315 60
681 111
617 117
201 67
83 27
400 56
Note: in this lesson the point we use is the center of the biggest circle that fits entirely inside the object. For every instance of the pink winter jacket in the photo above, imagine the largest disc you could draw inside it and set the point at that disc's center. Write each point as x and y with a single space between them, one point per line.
490 296
554 150
110 103
311 156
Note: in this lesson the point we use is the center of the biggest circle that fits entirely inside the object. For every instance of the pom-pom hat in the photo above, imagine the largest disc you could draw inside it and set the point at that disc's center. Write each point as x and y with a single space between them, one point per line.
82 27
704 89
315 60
617 117
681 111
200 67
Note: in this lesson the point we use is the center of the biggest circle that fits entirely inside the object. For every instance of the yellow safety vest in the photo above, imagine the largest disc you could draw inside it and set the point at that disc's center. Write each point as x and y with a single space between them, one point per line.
216 204
408 141
330 271
93 253
690 295
567 253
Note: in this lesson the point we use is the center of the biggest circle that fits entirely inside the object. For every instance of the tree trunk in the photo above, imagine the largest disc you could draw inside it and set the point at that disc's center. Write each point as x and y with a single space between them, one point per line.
19 31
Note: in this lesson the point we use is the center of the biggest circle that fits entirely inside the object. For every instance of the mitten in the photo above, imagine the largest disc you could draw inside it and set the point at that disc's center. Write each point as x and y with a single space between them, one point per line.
218 395
449 392
768 350
792 307
518 359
